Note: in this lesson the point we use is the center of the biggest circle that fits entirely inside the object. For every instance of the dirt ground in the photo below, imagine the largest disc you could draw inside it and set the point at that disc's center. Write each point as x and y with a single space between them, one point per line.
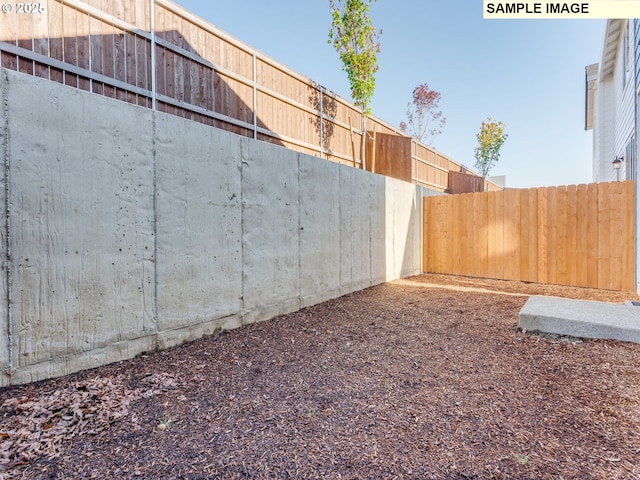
423 378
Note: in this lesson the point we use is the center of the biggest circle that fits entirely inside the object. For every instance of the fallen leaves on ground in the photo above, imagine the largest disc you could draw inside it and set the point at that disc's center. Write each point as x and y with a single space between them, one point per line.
36 426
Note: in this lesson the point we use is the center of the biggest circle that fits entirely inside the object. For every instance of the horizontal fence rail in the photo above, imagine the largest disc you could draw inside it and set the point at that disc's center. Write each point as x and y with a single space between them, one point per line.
155 54
577 235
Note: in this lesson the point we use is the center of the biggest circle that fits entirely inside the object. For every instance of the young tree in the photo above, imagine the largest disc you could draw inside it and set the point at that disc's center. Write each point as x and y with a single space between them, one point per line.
490 140
355 38
424 119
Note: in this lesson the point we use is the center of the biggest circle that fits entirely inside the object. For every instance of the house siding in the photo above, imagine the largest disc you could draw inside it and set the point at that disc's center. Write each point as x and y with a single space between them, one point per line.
624 91
614 118
636 33
603 131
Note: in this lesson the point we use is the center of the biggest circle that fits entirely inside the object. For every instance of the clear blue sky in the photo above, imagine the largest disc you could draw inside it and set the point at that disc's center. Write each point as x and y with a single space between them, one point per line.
528 74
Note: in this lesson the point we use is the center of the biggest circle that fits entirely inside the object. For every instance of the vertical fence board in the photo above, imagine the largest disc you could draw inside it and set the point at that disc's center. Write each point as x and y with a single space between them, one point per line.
561 236
533 235
143 50
108 48
491 235
512 234
477 232
467 260
457 232
70 23
41 39
443 235
9 35
552 235
120 50
438 234
592 235
130 55
209 41
582 235
56 37
525 239
83 45
433 228
628 243
161 61
434 237
543 233
95 49
615 235
449 240
500 218
572 226
460 232
483 241
604 238
426 234
25 40
170 58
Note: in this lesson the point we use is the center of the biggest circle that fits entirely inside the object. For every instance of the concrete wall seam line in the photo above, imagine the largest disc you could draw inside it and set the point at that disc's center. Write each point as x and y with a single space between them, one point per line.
6 143
370 224
154 153
299 231
241 166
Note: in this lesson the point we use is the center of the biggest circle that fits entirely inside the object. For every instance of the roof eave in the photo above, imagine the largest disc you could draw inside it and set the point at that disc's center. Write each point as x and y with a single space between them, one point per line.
610 47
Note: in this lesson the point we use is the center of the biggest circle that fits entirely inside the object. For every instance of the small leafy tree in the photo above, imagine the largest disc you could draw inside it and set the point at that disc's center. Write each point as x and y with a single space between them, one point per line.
490 140
424 119
355 38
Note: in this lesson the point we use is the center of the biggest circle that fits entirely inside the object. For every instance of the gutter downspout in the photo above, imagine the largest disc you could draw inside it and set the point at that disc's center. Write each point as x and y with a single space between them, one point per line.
634 171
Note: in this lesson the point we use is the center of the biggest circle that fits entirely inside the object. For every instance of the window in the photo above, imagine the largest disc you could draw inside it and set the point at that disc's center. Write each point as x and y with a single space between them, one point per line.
630 160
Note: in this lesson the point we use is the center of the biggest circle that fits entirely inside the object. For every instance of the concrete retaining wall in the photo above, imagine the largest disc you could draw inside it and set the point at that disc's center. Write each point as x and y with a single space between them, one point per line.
125 230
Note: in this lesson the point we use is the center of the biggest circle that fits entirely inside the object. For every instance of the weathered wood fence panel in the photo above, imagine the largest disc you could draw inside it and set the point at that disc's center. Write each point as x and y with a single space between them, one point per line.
155 54
460 182
580 235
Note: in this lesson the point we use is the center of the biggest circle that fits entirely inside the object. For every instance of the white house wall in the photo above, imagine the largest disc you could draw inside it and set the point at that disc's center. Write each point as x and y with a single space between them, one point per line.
624 101
604 123
614 118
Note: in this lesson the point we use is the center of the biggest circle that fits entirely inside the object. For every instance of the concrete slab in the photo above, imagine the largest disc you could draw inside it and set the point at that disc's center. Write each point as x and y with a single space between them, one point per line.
581 318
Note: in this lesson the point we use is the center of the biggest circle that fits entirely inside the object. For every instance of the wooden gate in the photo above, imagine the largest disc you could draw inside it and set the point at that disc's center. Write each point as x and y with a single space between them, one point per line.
580 235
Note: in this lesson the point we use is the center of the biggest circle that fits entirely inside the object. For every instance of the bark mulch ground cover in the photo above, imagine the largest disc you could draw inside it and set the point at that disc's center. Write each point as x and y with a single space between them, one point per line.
423 378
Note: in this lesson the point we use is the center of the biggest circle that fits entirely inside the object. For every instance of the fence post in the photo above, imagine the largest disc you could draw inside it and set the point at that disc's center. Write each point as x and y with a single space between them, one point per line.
321 95
255 96
154 92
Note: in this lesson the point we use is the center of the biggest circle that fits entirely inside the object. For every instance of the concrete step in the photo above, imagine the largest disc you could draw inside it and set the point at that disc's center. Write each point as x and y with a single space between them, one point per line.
581 318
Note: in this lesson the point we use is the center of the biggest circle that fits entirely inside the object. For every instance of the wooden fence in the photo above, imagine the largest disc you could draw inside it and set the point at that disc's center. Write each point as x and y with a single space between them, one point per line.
465 183
577 235
155 54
